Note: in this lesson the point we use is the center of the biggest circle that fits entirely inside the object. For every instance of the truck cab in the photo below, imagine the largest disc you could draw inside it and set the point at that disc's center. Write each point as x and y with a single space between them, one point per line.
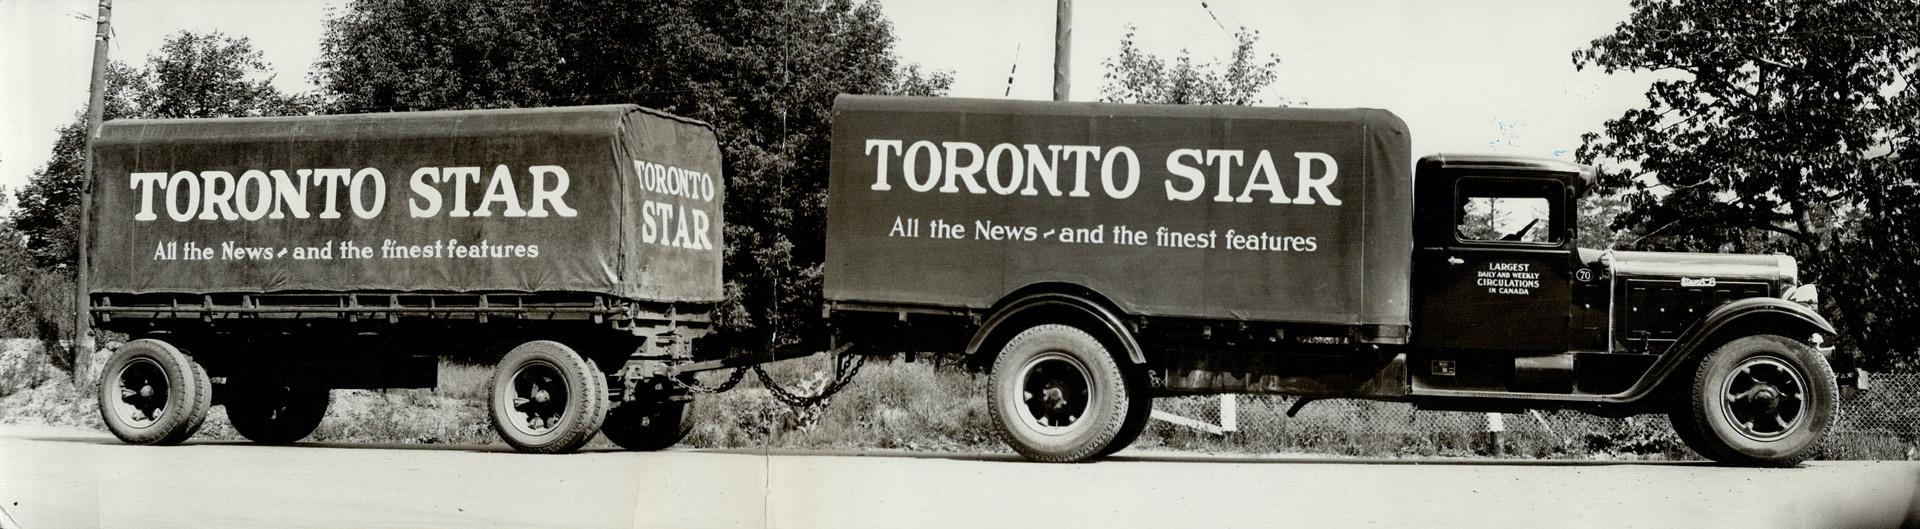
1494 254
1508 309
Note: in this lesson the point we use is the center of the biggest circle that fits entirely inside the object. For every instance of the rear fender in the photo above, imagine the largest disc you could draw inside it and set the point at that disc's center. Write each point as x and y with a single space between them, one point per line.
1053 307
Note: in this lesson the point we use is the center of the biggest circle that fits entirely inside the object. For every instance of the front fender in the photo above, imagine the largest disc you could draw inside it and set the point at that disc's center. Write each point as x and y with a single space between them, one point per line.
1739 318
1794 316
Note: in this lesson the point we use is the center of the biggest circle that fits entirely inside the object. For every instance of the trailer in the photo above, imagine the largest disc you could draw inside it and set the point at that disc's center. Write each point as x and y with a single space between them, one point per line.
1092 257
258 263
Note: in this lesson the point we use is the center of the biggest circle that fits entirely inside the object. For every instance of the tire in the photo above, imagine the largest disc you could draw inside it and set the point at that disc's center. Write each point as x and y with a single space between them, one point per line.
648 426
277 415
153 394
547 399
1139 413
1689 436
1761 400
1058 395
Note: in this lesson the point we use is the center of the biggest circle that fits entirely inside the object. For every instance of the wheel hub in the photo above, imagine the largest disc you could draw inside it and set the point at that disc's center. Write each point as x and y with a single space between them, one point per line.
1054 397
143 393
1768 398
538 398
1055 390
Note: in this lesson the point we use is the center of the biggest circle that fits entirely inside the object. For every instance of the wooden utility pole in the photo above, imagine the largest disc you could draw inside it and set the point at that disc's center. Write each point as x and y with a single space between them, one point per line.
82 322
1062 50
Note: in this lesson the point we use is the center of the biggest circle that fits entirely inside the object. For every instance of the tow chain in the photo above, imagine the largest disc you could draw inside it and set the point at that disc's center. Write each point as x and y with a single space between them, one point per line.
694 385
848 367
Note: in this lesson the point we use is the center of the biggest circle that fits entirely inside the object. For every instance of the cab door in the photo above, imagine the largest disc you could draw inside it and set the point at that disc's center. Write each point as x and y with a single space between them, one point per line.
1502 280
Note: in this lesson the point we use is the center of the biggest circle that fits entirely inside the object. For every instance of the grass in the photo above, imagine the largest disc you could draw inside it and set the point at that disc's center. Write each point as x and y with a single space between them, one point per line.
1387 429
913 406
891 405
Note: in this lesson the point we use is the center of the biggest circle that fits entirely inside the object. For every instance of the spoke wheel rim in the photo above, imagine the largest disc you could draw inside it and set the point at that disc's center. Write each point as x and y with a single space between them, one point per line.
1053 393
538 402
1764 399
143 385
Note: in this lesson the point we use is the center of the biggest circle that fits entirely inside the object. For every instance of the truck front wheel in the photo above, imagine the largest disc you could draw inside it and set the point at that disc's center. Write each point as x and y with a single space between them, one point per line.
276 414
547 399
153 394
1058 395
648 426
1760 400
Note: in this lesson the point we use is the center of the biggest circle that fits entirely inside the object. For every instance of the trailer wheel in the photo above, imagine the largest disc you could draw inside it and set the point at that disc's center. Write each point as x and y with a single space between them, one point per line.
648 426
1058 395
277 414
1760 400
153 394
547 399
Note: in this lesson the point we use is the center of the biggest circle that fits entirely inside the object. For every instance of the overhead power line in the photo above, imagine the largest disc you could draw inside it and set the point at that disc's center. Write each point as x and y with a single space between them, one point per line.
1025 16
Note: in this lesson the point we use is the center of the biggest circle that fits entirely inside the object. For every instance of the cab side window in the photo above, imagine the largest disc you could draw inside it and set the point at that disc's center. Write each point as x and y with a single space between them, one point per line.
1490 209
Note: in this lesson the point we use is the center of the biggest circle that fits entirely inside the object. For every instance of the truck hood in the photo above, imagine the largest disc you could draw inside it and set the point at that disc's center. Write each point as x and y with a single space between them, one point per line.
1724 266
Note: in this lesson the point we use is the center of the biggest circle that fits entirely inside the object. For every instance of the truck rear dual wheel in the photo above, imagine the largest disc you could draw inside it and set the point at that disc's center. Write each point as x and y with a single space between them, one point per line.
547 399
1139 412
276 414
1059 396
1762 400
648 426
153 394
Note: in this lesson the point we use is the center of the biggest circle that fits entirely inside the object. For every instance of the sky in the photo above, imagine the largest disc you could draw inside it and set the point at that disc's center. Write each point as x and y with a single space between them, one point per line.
1490 76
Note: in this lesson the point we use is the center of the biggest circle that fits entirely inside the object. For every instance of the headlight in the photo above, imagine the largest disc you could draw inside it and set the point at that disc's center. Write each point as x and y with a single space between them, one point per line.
1808 294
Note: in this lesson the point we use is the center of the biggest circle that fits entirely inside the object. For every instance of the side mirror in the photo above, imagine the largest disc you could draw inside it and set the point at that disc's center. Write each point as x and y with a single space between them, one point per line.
1808 294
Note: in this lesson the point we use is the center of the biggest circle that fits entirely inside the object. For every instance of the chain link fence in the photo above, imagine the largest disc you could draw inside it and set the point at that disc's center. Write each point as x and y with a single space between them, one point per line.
1882 423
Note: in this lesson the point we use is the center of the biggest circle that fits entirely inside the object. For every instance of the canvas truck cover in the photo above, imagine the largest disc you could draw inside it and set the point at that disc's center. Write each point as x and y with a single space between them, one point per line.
618 200
1239 213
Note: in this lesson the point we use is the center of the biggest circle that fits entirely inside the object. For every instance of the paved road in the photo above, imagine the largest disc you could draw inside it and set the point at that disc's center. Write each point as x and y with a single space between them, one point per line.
67 478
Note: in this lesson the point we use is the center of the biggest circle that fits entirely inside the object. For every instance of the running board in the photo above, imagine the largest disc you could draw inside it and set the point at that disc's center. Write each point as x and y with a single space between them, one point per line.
1419 392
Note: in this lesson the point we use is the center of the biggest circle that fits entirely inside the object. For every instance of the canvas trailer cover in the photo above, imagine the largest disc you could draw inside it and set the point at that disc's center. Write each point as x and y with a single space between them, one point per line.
613 200
1229 213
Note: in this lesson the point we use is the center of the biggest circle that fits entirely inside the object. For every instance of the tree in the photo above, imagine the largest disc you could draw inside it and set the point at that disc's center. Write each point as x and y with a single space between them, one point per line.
1596 213
46 215
1773 137
909 80
195 75
209 75
763 72
1136 76
1880 279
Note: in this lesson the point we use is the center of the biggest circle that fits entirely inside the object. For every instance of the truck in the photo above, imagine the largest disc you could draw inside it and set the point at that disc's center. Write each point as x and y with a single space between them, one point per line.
1091 257
259 263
